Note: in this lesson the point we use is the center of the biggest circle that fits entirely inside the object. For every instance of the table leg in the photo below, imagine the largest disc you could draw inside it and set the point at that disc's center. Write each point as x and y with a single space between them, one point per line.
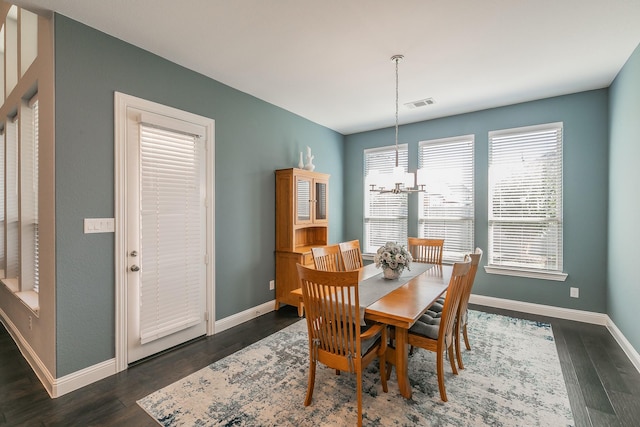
402 363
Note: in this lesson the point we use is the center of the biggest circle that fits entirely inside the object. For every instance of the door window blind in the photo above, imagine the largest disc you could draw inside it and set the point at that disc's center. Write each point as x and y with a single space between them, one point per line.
385 218
447 207
172 224
525 198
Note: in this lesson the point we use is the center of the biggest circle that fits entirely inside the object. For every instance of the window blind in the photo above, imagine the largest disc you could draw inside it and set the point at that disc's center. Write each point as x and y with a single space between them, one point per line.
11 197
525 198
29 279
385 214
447 207
2 204
172 231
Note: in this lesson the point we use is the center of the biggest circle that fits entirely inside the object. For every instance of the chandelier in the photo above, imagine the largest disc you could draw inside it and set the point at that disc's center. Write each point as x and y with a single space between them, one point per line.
399 181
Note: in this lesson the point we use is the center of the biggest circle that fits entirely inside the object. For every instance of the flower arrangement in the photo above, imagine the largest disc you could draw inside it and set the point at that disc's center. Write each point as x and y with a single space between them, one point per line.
394 257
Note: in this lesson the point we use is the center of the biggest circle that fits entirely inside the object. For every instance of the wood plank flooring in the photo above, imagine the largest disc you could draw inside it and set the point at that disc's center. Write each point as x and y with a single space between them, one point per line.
603 385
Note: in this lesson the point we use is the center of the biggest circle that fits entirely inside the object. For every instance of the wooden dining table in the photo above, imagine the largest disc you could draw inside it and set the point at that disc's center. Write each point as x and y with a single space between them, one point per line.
400 308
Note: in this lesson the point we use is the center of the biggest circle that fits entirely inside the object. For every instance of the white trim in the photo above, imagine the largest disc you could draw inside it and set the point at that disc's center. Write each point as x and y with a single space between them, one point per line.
543 275
542 310
243 316
29 354
76 380
121 103
83 377
631 352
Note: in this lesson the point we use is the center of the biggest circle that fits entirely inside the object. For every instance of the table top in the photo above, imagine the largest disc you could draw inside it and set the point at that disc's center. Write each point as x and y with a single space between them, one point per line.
404 305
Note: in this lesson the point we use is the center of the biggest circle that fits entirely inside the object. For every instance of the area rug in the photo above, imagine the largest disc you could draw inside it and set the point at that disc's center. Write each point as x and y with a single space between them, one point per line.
512 377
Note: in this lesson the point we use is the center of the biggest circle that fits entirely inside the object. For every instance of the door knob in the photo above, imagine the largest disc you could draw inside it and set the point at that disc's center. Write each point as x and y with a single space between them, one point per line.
135 268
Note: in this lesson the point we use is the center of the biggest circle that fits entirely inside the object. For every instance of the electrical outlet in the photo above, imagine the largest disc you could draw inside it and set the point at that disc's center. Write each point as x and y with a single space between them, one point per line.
574 292
272 285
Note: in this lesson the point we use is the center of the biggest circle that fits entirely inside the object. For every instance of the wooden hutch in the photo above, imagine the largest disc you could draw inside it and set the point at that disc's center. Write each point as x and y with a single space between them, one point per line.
302 222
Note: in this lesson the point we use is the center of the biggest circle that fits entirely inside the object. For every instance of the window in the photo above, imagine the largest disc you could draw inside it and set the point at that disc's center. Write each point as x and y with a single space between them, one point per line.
29 279
385 217
447 208
525 202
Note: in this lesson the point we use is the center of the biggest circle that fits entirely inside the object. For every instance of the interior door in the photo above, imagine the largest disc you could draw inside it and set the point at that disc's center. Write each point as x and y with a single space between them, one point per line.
166 233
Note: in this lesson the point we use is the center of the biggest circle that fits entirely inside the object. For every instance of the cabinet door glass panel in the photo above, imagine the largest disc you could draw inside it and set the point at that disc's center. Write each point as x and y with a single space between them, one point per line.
321 199
303 195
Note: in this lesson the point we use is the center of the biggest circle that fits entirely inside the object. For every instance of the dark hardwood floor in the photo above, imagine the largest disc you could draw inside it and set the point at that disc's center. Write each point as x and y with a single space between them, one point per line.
603 385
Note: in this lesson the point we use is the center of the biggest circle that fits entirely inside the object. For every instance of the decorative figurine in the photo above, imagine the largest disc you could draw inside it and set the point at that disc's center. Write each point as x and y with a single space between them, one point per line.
309 165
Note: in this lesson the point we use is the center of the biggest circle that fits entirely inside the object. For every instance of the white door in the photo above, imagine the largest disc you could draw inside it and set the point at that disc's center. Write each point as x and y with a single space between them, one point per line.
166 232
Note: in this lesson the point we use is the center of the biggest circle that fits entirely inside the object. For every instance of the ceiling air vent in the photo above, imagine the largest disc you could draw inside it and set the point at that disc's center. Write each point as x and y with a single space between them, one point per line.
420 103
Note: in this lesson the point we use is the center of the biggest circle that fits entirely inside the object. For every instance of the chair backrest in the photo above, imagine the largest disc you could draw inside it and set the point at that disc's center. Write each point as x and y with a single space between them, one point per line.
452 300
331 304
426 250
466 293
327 258
351 255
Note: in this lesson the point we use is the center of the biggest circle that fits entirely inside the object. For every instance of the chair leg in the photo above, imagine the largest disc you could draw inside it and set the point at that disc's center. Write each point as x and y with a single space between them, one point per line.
453 363
440 369
312 380
466 337
359 393
456 342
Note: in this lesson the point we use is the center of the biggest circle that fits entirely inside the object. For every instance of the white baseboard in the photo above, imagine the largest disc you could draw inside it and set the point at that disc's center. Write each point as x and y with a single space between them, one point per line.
39 368
83 377
57 387
631 352
564 313
243 316
543 310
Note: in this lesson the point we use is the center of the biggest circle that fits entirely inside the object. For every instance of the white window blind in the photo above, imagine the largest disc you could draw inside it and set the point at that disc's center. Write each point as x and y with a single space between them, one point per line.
525 198
385 218
29 196
447 207
2 205
11 197
172 230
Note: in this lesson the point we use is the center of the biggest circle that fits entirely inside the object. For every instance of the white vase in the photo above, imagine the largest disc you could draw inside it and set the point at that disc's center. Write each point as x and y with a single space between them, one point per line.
300 163
391 274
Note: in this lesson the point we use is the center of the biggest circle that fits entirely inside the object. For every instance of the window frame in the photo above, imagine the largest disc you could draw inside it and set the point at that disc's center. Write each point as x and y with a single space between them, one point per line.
400 221
515 218
461 215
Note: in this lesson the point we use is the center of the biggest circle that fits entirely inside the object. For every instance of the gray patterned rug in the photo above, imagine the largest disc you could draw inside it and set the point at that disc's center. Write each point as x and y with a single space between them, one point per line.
512 378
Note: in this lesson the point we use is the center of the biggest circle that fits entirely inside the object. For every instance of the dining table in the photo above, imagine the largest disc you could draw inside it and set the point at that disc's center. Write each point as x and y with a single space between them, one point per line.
399 303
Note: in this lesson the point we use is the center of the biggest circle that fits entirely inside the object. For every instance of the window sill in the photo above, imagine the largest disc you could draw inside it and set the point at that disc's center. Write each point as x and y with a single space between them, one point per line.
28 298
543 275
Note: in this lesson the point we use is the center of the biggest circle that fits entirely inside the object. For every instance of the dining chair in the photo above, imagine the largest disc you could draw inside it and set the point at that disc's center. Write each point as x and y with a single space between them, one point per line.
463 310
351 255
336 338
426 250
437 334
327 258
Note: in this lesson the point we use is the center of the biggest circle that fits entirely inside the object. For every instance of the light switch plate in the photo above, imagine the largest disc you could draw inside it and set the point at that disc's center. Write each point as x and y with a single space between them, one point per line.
99 225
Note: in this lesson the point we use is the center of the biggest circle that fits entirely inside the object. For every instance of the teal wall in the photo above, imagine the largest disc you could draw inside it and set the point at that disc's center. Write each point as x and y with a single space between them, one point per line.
253 138
624 200
585 178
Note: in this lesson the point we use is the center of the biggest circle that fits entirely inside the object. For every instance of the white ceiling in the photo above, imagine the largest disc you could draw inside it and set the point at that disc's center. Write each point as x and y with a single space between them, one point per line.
329 60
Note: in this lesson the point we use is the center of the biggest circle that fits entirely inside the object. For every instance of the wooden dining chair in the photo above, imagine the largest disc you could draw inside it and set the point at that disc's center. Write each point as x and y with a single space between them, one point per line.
336 338
462 318
426 250
351 255
437 334
327 258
